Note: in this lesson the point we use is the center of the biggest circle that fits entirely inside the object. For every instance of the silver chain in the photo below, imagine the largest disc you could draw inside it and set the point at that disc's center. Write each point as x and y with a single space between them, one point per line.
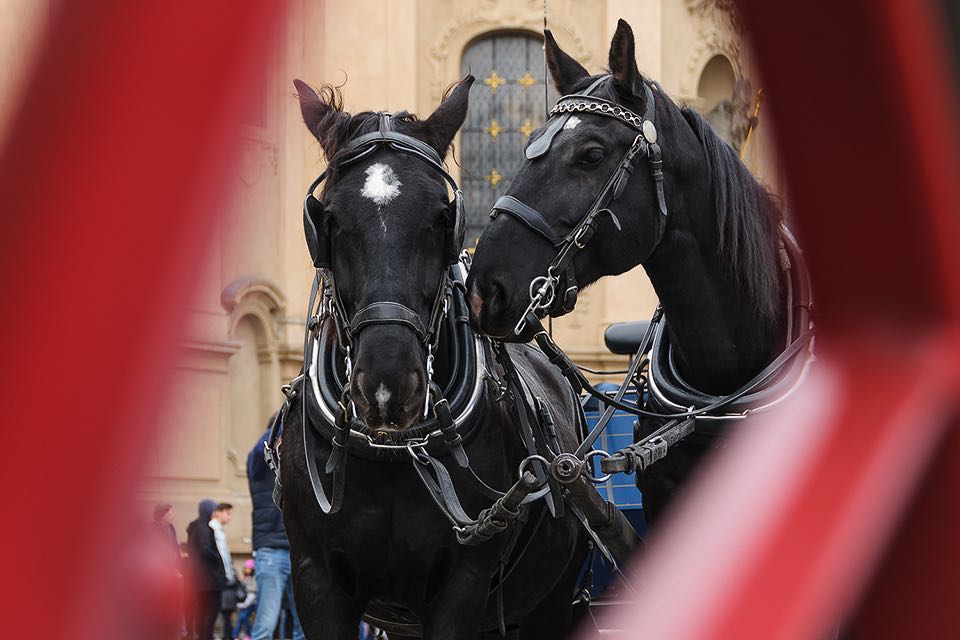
603 108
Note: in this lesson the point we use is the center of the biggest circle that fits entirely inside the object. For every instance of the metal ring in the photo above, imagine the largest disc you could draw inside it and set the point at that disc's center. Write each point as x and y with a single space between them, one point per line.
413 454
526 461
547 284
586 460
578 236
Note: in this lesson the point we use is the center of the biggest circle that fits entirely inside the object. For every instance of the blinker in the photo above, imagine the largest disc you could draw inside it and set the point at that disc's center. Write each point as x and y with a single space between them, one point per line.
312 218
542 145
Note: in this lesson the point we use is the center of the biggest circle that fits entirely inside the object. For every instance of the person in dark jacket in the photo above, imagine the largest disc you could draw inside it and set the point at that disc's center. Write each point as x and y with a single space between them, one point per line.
271 549
165 534
165 530
209 577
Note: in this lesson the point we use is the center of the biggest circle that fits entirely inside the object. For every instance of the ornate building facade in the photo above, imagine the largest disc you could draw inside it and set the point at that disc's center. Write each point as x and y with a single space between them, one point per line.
243 335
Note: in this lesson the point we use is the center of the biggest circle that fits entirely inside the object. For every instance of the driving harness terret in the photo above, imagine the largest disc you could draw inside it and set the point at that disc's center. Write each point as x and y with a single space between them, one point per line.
543 290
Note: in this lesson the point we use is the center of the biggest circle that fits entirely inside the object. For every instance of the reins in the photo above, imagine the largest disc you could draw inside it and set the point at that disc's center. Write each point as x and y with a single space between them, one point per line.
677 425
545 298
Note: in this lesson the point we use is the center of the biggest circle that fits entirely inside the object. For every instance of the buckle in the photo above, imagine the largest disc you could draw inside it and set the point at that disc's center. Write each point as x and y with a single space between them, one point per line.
584 234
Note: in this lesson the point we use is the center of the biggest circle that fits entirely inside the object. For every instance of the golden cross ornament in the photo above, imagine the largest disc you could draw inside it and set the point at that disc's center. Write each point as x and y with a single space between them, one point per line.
527 80
494 81
527 128
494 129
493 178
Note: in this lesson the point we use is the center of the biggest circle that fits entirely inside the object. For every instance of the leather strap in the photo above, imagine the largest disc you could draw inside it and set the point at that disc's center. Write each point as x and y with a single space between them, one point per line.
333 503
382 137
335 465
387 313
529 216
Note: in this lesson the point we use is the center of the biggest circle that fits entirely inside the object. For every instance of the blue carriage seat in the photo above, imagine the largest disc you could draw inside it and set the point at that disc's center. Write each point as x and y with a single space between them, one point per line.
623 338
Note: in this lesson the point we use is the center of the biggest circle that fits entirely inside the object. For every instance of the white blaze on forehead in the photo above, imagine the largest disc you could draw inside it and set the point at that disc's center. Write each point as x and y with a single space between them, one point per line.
382 396
572 122
381 185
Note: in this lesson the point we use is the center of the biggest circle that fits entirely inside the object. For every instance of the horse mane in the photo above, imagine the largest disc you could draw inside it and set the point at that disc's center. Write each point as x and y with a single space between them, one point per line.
747 215
335 127
748 218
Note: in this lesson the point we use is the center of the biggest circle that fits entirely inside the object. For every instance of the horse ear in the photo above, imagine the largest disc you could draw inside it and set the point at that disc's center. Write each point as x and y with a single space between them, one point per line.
623 61
324 116
447 119
565 70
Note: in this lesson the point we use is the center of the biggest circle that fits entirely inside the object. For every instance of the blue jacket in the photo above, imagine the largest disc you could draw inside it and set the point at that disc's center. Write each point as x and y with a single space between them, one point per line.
268 528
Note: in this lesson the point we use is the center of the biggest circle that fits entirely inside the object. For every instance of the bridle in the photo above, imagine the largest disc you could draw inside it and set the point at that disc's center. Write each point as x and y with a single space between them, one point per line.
560 274
315 226
382 312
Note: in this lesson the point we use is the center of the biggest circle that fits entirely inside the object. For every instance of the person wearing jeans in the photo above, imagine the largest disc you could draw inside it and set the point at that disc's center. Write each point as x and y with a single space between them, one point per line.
273 578
271 549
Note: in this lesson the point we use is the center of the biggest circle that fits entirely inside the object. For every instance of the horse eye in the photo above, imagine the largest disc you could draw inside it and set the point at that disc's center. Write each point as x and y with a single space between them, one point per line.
592 155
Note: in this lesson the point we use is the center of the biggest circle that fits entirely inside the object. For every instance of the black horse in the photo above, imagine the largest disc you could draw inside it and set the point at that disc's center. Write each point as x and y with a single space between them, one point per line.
389 550
705 231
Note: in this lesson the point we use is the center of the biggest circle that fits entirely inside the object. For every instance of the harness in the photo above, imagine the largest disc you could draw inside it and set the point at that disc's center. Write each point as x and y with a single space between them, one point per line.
679 407
681 410
560 274
451 415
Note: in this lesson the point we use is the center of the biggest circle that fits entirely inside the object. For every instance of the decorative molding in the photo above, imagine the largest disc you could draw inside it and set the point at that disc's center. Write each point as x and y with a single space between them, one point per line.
489 16
718 33
717 11
219 348
256 156
259 298
238 463
208 356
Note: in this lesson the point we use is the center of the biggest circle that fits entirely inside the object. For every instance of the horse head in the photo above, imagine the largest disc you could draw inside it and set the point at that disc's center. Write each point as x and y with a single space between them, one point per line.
387 231
569 161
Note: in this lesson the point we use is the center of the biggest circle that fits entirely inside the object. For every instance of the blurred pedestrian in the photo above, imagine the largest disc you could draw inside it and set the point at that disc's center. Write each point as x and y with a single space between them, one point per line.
163 519
271 549
207 570
228 595
166 536
249 603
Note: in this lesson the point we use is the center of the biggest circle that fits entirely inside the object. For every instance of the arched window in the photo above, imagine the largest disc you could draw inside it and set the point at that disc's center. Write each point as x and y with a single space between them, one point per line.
716 82
726 102
256 308
506 105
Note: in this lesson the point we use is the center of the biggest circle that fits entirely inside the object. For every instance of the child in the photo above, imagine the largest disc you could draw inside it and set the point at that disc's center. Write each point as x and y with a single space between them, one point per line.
249 604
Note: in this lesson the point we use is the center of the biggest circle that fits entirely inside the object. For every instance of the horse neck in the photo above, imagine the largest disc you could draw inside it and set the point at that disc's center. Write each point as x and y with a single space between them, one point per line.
719 340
